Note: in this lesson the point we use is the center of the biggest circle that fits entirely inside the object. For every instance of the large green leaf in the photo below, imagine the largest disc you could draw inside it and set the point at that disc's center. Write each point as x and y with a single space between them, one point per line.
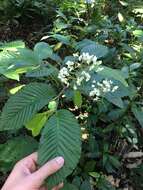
69 186
43 50
113 73
15 149
13 63
23 105
62 38
60 137
116 101
77 98
27 58
42 71
138 113
12 46
81 44
38 122
95 49
85 185
12 75
138 33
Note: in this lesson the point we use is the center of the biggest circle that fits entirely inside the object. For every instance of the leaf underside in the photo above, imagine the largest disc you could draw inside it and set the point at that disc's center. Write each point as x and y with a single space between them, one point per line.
60 137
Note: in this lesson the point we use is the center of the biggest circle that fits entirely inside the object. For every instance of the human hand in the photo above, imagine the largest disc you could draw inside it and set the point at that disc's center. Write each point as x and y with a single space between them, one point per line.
26 176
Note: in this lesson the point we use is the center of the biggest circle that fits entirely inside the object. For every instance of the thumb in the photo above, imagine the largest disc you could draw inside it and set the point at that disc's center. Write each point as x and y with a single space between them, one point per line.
48 169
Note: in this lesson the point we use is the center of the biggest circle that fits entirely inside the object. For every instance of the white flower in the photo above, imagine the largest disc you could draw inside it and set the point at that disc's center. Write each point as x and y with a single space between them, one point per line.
95 64
110 81
90 1
98 62
96 98
106 87
74 87
70 65
115 88
99 69
95 92
94 60
85 57
79 80
75 54
107 83
93 85
86 75
99 84
63 74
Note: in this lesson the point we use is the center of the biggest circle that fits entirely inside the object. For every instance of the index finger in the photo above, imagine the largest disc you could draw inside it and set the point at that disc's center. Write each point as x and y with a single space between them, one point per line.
48 169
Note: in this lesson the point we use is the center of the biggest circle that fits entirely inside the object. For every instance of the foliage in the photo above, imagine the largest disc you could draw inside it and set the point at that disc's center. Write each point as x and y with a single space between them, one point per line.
81 82
20 10
14 150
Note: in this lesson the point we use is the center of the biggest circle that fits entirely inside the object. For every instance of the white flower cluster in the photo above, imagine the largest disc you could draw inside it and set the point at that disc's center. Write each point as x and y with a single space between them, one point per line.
90 1
100 88
63 75
85 57
83 76
70 66
79 71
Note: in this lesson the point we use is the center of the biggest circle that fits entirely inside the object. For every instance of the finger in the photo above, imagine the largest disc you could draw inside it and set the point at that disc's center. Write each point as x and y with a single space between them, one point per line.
27 165
55 188
21 169
58 186
43 188
32 157
48 169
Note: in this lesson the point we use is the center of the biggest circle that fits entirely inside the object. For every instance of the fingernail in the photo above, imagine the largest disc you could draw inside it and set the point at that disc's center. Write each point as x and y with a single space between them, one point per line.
60 161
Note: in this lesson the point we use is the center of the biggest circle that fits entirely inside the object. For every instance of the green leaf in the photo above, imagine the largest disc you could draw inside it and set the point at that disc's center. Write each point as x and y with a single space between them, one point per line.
60 137
77 98
13 63
27 58
69 186
114 114
95 49
114 161
38 122
16 149
7 58
62 38
12 75
16 89
42 71
85 185
113 73
23 105
138 33
94 175
135 66
12 46
116 101
138 113
89 166
43 50
83 43
77 181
